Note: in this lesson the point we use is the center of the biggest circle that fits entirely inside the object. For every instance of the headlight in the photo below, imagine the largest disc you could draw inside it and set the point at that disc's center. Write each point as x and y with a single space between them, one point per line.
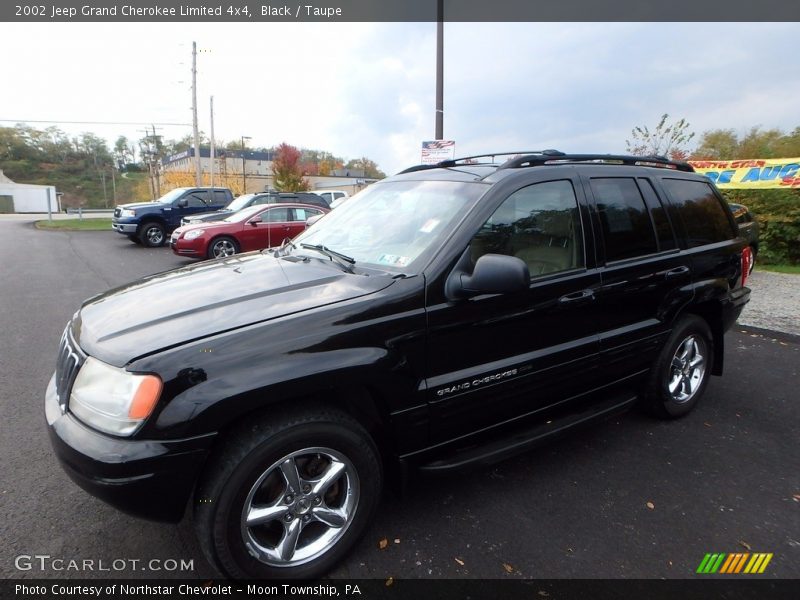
127 212
193 234
111 399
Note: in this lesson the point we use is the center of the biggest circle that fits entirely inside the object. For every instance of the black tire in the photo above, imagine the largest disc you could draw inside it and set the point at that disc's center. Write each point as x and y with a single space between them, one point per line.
677 366
152 234
135 239
248 470
222 247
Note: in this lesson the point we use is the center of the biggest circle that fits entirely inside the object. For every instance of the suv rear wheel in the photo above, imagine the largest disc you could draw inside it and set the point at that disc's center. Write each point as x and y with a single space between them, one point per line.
287 498
680 375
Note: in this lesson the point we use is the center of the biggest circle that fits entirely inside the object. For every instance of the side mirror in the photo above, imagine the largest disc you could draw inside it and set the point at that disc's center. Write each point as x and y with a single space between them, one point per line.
311 220
183 202
493 274
254 221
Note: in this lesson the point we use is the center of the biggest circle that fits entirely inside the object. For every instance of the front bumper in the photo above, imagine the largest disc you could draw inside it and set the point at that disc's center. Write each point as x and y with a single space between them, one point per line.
123 227
152 479
182 247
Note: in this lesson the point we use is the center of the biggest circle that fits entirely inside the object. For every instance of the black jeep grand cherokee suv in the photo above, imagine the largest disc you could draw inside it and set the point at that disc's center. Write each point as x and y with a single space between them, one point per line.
444 317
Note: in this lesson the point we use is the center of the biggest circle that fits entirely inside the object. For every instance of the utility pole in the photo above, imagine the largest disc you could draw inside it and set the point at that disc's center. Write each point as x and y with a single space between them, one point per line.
212 141
198 180
244 170
439 70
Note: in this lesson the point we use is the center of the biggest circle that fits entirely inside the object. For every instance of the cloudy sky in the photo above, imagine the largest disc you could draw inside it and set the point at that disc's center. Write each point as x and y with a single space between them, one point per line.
365 89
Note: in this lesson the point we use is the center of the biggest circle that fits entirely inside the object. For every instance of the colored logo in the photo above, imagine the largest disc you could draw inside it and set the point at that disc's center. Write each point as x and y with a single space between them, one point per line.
734 563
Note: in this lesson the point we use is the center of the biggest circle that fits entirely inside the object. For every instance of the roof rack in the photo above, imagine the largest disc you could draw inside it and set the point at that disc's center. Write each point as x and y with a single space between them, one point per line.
540 158
472 160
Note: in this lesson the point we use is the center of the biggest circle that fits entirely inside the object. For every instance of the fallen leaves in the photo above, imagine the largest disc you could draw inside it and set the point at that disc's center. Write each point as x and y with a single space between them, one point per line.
509 569
389 581
459 561
744 544
651 506
383 544
796 497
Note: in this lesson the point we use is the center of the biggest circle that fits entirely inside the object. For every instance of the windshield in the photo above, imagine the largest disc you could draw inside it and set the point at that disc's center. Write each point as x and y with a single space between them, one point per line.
240 202
171 196
244 214
394 225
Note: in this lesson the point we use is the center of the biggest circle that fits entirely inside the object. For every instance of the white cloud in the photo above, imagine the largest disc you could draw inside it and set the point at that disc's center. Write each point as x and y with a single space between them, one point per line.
363 89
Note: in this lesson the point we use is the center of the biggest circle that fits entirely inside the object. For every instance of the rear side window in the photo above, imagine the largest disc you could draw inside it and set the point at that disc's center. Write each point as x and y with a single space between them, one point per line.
624 218
220 197
702 213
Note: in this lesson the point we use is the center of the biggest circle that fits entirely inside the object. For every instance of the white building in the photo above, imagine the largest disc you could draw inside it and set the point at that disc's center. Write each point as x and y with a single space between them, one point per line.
26 198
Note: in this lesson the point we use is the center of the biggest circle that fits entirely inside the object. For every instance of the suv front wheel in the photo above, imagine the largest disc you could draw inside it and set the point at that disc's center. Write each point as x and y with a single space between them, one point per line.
680 375
287 498
152 234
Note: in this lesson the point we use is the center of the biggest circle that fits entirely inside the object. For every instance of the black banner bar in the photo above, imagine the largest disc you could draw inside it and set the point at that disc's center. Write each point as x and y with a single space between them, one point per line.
399 11
710 588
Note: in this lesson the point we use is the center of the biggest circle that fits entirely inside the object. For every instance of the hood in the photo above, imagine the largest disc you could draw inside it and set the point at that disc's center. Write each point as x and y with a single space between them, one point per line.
135 205
207 298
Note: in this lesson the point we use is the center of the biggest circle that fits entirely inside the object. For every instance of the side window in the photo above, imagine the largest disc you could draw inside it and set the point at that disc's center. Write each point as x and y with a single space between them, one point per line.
220 197
276 215
196 200
261 200
624 218
338 195
303 214
664 231
701 211
539 224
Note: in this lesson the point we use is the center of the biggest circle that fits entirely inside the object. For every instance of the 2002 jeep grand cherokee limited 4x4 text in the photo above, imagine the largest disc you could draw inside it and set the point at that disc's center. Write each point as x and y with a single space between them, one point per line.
444 317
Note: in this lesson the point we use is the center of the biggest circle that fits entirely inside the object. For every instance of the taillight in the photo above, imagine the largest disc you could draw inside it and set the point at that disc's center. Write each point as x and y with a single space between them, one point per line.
747 261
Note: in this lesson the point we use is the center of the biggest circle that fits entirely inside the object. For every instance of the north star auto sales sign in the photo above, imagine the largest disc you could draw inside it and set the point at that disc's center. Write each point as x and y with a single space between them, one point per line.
753 174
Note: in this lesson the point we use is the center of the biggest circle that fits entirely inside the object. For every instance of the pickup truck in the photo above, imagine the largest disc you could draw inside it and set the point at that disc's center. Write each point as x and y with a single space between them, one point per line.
150 223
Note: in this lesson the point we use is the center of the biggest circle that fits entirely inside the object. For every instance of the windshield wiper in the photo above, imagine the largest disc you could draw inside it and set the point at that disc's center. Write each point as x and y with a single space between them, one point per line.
345 261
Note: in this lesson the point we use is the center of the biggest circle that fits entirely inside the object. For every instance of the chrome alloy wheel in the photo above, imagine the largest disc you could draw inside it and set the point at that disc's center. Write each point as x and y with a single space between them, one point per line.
300 507
154 235
223 248
688 368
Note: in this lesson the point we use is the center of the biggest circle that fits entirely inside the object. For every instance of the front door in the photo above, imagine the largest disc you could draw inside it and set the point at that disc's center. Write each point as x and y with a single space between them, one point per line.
266 230
496 357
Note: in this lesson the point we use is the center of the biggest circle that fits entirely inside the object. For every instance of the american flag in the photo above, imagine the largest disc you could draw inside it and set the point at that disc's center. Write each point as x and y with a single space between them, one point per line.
437 144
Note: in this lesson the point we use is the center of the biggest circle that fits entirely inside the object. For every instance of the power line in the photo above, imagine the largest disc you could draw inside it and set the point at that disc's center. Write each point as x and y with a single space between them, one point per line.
97 122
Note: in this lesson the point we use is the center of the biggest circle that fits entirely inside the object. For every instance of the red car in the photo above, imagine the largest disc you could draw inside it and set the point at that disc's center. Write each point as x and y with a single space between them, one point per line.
252 228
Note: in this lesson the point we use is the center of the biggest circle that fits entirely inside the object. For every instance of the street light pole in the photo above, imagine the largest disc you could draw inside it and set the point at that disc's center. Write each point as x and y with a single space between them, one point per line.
439 70
244 170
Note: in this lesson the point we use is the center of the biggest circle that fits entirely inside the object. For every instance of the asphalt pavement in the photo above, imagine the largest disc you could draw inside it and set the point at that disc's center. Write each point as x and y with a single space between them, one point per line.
631 497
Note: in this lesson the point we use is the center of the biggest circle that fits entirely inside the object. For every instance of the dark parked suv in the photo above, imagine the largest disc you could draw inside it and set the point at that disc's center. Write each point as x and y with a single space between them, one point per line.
446 317
150 223
247 200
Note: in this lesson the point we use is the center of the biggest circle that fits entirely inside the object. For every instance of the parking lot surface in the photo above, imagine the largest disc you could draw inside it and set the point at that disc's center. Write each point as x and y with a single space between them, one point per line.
631 497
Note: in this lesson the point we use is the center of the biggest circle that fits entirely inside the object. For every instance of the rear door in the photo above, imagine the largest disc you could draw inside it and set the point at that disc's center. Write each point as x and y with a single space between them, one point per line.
496 357
647 277
268 229
298 217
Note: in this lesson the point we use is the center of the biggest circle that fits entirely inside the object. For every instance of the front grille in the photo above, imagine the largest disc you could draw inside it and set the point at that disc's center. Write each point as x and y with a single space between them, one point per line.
117 212
70 359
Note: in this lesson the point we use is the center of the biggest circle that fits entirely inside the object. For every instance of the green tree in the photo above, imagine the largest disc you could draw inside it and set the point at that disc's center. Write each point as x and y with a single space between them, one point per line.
665 139
287 171
725 144
369 167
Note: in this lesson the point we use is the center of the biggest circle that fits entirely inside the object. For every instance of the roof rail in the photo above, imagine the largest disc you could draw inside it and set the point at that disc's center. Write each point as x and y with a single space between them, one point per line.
471 160
538 159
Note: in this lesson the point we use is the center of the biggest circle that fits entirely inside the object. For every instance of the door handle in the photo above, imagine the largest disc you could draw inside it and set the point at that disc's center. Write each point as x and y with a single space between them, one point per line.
676 272
582 296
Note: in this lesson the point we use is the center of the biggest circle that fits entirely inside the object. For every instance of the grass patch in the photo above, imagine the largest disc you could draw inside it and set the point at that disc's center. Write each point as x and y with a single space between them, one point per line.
791 269
94 224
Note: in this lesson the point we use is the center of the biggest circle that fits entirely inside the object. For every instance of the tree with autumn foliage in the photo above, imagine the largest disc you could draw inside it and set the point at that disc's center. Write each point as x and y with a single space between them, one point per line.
287 170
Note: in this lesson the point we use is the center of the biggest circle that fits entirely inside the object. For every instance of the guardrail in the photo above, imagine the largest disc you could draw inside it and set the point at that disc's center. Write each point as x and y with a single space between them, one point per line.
80 211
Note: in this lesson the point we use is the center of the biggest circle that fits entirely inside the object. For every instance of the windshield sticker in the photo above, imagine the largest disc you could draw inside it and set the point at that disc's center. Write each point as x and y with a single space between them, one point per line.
429 225
394 260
